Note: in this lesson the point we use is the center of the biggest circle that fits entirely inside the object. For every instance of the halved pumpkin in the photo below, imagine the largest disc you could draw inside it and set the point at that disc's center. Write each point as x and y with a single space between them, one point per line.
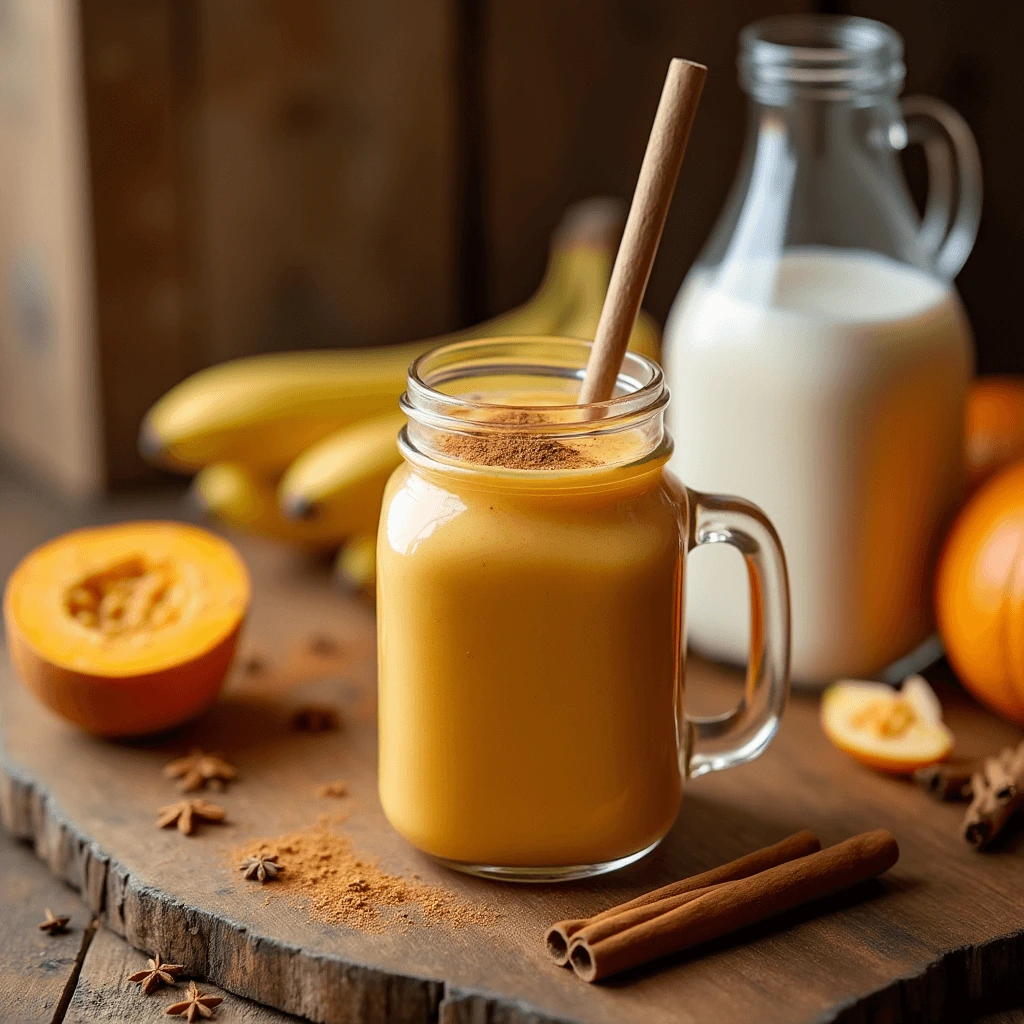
127 629
890 730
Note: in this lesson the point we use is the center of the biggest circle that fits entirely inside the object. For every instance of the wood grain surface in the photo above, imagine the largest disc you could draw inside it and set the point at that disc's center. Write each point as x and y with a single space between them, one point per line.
139 93
37 970
104 995
943 930
48 414
78 977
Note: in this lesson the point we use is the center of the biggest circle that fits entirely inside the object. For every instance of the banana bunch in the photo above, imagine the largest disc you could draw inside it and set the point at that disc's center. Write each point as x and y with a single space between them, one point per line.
298 446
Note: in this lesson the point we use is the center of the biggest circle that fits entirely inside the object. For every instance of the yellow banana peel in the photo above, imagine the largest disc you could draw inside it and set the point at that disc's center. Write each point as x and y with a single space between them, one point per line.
233 495
591 272
345 473
356 565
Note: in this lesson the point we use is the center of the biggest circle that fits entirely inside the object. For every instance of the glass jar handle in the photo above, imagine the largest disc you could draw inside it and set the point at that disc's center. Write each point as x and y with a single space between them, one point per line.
953 208
743 733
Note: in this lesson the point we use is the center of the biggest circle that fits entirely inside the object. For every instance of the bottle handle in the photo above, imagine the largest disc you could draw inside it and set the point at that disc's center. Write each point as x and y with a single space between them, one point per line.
953 207
743 733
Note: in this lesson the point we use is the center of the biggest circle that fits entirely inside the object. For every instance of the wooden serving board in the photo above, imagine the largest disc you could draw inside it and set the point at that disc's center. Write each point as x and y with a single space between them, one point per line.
945 927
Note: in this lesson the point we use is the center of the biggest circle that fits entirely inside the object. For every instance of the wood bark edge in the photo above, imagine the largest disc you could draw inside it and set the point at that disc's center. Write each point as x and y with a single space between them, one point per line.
211 948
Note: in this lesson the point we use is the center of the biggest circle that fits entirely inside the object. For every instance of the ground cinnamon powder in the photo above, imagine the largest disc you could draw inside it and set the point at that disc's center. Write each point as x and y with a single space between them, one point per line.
513 450
323 873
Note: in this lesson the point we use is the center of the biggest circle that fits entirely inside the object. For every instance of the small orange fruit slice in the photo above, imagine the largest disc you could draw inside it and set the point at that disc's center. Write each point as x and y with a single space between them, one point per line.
890 730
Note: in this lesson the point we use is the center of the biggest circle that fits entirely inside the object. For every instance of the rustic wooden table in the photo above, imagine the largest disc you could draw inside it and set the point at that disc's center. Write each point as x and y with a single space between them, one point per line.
81 976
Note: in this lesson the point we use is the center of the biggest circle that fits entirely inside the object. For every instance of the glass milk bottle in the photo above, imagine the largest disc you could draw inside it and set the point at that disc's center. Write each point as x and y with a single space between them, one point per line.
818 354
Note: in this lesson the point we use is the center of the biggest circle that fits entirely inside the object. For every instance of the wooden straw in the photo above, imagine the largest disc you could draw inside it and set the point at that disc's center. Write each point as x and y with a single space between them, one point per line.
723 909
658 173
559 936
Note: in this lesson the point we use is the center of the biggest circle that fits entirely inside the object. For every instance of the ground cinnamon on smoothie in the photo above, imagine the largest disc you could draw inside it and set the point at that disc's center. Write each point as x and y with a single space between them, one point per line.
513 451
338 887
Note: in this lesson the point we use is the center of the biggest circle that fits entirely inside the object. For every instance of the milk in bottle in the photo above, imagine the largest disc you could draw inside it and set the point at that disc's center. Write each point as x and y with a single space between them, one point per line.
818 355
838 408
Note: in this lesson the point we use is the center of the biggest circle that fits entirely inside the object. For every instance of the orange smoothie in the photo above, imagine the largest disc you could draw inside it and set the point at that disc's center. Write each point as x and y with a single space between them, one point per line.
529 660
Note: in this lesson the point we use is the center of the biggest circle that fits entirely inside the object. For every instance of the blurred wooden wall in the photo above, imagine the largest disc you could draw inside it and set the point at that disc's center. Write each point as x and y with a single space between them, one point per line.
969 55
269 175
265 174
571 88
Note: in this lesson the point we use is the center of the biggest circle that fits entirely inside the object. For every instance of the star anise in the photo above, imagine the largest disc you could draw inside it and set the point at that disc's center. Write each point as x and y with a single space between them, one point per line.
186 813
336 789
316 718
197 769
197 1005
156 974
323 645
54 925
262 866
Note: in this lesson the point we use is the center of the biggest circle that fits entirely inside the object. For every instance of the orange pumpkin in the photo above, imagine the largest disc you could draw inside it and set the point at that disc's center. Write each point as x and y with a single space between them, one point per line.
994 431
127 629
980 594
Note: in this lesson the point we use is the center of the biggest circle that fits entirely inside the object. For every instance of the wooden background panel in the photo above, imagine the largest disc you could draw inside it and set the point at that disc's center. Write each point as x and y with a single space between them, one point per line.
968 55
48 405
136 68
570 92
328 191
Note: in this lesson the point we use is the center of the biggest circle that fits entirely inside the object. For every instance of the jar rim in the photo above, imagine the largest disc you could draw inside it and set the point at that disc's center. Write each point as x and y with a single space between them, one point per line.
641 382
829 56
450 431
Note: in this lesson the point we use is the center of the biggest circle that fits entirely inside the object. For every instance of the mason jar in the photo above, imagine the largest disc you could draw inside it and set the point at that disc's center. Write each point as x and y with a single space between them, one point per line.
531 564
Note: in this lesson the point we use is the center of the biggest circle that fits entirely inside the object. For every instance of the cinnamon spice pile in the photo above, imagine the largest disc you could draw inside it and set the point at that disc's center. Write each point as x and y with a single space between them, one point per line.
513 450
337 887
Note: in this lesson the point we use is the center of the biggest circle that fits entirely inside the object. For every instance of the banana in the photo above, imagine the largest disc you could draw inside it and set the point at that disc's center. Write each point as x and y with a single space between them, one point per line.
263 411
344 472
356 565
233 495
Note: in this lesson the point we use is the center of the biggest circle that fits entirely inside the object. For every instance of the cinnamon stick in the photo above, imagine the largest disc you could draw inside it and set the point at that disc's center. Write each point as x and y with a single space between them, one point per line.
559 936
997 794
727 907
644 224
947 781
